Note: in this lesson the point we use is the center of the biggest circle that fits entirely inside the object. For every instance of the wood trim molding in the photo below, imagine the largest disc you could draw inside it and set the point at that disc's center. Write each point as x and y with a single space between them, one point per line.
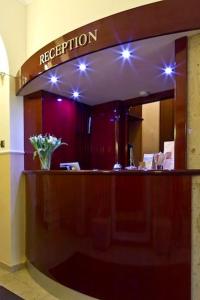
180 108
160 18
190 172
149 99
2 152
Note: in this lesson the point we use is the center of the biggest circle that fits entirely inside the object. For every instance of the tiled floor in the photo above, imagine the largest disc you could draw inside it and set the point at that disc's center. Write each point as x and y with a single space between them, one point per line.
22 284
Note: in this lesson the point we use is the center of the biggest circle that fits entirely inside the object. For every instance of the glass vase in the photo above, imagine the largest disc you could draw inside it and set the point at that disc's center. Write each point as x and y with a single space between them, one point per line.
45 161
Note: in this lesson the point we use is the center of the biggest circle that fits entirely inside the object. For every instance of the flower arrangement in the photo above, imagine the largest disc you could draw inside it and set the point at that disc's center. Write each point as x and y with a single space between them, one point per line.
44 146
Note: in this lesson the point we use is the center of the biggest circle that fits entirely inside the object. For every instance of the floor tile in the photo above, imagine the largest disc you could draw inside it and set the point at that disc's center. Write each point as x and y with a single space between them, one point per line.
22 284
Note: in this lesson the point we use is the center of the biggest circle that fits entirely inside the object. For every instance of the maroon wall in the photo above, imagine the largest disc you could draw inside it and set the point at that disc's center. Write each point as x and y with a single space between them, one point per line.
105 135
69 120
66 119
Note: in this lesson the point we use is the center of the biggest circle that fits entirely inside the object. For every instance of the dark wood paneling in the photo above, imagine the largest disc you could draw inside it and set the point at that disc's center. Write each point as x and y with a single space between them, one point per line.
149 99
190 172
135 112
123 136
105 135
181 104
113 235
83 136
151 20
108 141
67 120
134 123
166 122
135 139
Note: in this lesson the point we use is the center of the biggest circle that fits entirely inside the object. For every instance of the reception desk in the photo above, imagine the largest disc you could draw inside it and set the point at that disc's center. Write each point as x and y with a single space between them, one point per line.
112 234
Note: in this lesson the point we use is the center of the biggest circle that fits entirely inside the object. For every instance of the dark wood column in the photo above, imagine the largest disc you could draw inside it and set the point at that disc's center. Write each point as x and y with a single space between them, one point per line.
181 104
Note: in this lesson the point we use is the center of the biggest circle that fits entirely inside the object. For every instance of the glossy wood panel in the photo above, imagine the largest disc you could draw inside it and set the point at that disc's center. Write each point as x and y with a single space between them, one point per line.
135 139
181 104
105 135
112 235
150 98
67 120
151 20
166 122
100 147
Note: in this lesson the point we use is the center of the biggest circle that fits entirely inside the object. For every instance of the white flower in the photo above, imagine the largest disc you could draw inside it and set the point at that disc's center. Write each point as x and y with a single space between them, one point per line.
45 145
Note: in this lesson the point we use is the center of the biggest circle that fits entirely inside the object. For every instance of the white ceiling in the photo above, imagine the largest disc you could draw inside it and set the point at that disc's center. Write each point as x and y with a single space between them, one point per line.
110 78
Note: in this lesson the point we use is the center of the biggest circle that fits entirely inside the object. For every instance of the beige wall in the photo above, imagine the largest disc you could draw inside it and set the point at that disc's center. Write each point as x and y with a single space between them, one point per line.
13 35
17 209
5 221
194 103
12 215
193 158
195 238
13 32
49 19
12 55
151 127
4 95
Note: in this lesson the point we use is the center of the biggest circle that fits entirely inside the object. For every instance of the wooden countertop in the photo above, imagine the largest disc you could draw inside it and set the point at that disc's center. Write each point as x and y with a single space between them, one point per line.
193 172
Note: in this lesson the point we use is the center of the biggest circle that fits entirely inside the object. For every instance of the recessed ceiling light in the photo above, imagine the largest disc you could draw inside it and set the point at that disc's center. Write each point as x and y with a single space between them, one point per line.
76 94
54 79
126 53
168 70
82 67
144 93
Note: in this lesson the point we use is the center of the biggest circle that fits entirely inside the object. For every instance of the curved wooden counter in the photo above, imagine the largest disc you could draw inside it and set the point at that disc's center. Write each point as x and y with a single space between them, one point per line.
112 235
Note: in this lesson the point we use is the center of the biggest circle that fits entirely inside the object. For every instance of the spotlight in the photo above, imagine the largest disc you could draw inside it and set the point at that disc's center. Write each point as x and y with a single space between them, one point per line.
54 79
126 54
168 70
144 93
76 94
59 100
82 67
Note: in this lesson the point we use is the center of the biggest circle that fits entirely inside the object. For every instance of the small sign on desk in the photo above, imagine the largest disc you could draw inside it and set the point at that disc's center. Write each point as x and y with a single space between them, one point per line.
148 160
169 155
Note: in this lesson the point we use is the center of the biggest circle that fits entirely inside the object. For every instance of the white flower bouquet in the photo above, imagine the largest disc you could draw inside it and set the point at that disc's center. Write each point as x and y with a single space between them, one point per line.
44 147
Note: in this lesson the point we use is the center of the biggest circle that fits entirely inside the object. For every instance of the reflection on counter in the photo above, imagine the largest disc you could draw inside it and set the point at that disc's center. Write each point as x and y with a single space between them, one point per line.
112 235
